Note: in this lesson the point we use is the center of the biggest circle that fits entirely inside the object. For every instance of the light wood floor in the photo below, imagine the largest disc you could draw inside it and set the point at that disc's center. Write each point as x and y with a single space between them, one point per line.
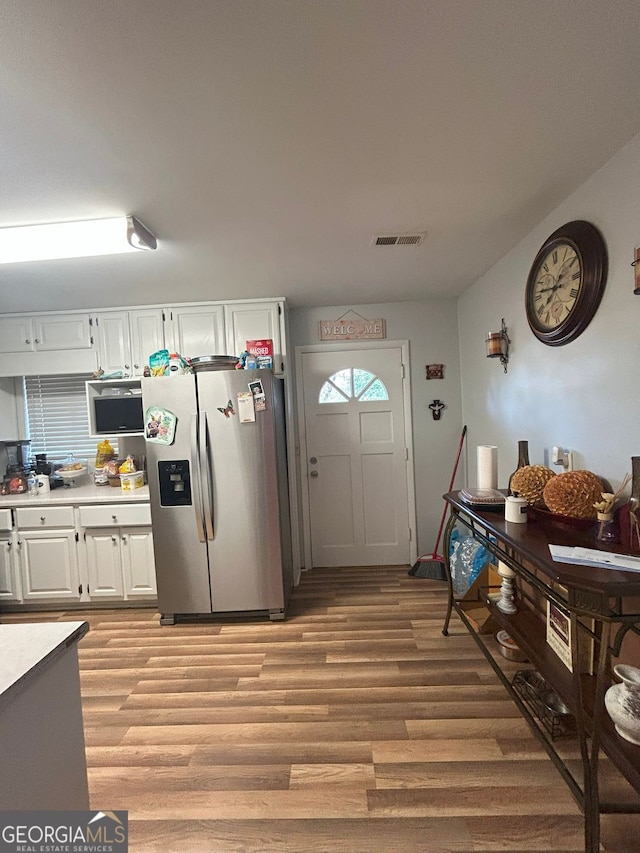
352 726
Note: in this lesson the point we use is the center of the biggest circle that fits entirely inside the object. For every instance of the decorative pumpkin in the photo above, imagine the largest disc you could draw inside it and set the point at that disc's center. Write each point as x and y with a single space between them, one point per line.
529 483
574 493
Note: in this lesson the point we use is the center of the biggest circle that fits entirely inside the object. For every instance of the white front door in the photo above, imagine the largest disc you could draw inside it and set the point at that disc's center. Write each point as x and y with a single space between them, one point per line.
357 456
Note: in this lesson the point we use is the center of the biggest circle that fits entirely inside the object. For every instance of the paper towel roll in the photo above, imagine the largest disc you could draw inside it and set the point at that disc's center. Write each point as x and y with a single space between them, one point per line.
487 466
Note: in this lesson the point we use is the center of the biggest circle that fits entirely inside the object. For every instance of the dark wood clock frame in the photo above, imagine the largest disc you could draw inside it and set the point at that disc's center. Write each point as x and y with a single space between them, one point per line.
591 250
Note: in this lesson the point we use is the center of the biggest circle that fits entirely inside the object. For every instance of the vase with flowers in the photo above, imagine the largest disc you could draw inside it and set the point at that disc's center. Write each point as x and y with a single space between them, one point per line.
606 530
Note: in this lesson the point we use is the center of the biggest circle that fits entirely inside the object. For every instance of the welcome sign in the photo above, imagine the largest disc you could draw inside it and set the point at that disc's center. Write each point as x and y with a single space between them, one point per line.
357 329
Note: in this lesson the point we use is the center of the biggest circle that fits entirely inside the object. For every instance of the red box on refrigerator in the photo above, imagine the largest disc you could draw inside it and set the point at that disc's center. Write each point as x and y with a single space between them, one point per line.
262 350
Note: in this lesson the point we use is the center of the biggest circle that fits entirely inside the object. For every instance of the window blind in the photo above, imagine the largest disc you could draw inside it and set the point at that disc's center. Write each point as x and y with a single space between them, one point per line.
56 416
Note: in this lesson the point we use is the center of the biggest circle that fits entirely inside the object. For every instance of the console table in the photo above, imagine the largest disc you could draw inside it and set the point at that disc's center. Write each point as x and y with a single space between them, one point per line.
602 606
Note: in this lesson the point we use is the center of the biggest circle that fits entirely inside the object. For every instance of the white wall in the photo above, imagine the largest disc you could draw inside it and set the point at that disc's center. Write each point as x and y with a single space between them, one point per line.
9 423
584 396
431 329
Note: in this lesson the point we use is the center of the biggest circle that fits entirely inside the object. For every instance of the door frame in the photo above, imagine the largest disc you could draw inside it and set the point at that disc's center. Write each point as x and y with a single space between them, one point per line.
408 435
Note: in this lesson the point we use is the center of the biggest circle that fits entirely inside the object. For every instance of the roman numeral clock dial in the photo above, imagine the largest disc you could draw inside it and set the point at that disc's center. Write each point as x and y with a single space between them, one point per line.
566 283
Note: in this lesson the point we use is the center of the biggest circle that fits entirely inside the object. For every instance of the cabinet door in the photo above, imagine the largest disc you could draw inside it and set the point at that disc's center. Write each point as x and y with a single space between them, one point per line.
62 331
16 334
138 563
147 337
48 564
114 343
104 563
250 321
9 586
197 331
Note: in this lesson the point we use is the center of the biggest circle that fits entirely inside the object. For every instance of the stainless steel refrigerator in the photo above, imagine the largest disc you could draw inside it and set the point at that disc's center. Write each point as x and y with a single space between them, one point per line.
219 493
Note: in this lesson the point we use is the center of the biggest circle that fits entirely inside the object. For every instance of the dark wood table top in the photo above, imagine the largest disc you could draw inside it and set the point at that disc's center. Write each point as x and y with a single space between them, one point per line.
532 540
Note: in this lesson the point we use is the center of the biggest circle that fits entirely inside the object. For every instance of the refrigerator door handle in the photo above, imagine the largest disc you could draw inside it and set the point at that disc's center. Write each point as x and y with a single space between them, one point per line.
196 482
205 475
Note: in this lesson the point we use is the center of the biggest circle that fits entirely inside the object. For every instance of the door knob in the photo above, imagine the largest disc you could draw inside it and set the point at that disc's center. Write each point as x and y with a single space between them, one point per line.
313 460
313 474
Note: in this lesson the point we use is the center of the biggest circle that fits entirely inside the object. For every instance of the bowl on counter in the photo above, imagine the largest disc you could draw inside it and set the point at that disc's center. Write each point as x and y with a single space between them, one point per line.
72 471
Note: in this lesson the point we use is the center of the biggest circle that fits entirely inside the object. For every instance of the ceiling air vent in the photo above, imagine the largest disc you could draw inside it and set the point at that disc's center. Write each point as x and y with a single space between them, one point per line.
398 239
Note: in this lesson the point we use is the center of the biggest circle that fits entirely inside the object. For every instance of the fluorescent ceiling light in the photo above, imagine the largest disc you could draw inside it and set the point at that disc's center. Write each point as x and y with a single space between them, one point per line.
74 239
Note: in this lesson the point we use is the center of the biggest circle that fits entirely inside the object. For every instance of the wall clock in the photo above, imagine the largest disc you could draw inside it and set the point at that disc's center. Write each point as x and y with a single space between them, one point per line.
566 283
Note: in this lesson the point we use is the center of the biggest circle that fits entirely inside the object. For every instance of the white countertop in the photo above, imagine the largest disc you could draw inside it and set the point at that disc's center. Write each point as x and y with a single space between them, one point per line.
86 492
28 647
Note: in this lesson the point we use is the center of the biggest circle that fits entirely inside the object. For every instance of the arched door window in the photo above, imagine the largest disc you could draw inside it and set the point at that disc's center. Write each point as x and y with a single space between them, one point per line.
353 383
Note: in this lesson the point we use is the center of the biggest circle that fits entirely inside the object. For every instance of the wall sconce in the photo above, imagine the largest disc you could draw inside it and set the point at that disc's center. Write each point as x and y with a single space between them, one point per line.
636 264
498 345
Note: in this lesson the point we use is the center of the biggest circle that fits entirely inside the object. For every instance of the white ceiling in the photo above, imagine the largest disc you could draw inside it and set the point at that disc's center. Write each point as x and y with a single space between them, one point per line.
265 142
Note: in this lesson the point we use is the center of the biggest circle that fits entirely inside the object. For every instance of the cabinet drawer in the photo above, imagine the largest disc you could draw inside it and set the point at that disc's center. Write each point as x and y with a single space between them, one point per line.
45 516
5 519
115 515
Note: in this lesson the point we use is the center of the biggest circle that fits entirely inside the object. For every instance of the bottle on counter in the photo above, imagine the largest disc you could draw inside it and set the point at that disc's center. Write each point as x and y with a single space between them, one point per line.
32 484
105 453
523 460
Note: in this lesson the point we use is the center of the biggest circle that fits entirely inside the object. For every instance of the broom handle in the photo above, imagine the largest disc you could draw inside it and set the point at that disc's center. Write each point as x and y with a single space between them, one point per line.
453 476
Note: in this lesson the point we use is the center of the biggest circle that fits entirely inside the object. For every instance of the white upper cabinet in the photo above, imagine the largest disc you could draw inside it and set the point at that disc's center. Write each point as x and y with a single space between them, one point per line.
62 332
250 321
16 334
114 342
196 330
44 332
46 344
126 339
146 328
121 340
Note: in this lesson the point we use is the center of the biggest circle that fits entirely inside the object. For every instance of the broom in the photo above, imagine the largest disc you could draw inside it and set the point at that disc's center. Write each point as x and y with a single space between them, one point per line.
432 565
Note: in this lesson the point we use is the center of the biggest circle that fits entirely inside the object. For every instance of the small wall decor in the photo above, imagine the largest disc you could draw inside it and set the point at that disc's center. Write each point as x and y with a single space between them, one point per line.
358 328
636 265
435 371
436 407
498 345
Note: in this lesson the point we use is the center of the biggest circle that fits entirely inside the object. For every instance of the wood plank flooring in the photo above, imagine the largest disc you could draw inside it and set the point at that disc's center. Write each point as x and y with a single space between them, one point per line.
352 726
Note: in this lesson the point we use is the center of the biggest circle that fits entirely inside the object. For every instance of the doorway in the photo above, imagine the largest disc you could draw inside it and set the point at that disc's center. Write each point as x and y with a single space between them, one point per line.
358 496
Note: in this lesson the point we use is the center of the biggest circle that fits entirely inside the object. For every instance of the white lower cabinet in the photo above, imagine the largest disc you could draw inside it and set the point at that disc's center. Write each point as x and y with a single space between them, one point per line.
120 562
82 553
9 581
118 549
138 563
47 553
48 561
104 563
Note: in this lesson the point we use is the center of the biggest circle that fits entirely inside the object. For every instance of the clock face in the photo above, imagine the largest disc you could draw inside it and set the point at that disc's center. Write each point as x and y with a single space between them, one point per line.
566 283
556 287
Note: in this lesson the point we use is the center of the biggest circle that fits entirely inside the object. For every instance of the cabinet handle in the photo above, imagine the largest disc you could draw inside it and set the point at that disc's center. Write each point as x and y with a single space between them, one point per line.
136 367
27 341
114 517
113 539
42 518
8 546
37 341
124 539
126 367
